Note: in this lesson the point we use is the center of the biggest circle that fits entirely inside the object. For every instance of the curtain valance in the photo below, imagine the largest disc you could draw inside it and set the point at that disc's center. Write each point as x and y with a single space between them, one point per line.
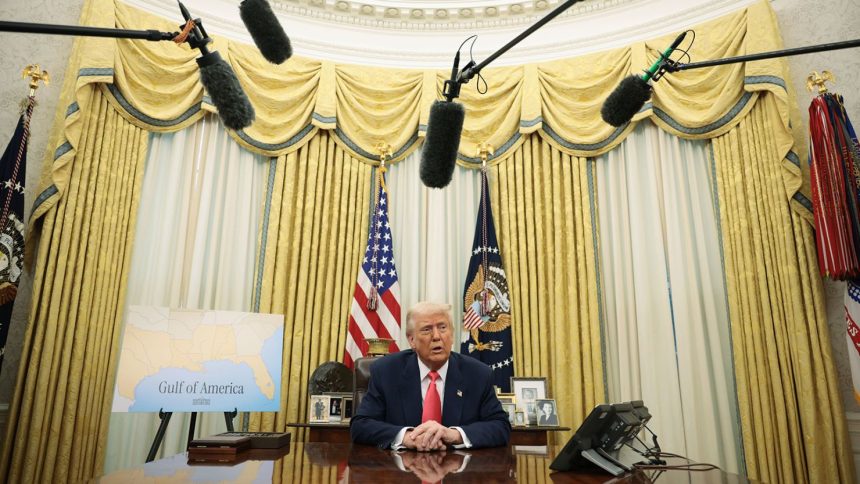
156 87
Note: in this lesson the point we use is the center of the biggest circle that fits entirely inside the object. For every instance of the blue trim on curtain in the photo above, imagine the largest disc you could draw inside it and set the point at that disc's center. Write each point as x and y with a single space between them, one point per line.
264 236
353 146
95 71
801 199
583 146
324 119
115 92
370 202
778 81
72 109
46 194
274 147
716 201
793 158
725 119
589 166
502 150
62 150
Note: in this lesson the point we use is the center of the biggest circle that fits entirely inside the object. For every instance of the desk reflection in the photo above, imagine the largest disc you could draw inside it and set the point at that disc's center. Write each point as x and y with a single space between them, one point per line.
319 462
488 465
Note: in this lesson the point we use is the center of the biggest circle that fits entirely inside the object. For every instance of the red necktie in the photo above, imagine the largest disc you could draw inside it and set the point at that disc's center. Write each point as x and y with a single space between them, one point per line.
432 403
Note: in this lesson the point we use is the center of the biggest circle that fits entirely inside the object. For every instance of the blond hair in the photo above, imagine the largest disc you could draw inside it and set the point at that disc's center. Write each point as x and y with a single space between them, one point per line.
426 308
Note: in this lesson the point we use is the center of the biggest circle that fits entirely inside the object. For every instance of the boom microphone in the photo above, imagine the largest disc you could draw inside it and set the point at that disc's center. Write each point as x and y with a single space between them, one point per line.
439 156
630 95
266 31
227 95
442 141
218 78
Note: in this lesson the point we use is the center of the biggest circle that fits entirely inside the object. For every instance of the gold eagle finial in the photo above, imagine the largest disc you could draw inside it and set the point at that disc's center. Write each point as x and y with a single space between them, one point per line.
816 81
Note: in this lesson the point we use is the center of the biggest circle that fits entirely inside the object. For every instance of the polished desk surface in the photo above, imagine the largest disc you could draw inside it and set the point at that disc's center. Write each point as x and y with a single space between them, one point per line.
318 462
338 432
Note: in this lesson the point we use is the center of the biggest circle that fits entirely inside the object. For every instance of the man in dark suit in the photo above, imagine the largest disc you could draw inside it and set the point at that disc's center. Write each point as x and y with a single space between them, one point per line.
428 398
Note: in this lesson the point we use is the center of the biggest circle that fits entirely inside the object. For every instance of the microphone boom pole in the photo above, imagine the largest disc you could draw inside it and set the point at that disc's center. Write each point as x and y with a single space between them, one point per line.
470 70
55 29
675 67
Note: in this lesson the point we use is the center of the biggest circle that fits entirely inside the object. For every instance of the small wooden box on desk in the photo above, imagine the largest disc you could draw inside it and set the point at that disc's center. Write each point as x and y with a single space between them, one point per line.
338 433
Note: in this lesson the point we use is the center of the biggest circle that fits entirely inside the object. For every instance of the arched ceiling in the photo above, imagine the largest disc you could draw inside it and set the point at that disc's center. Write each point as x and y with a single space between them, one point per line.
420 33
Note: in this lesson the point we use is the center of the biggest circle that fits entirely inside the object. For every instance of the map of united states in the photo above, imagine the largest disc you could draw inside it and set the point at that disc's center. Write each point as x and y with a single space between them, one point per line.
191 360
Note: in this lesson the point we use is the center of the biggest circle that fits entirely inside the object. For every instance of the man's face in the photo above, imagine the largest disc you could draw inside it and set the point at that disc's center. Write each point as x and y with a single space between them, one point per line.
547 409
431 338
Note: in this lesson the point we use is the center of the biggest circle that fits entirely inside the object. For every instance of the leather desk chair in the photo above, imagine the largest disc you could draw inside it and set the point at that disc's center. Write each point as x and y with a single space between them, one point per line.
361 379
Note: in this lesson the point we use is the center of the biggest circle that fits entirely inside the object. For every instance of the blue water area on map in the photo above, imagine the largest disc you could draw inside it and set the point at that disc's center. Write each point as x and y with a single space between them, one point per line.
173 389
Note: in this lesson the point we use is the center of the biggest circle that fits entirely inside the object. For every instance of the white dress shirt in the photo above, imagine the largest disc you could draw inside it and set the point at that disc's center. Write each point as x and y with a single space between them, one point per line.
424 374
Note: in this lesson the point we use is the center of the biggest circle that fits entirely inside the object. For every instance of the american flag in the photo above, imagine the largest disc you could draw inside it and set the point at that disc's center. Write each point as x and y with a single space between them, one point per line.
375 311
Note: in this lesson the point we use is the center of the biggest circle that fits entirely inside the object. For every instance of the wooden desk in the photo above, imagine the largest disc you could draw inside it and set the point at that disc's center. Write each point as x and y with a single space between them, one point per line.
317 462
338 433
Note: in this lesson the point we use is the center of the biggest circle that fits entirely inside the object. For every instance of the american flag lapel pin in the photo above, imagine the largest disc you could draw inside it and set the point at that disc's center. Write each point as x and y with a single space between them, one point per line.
459 393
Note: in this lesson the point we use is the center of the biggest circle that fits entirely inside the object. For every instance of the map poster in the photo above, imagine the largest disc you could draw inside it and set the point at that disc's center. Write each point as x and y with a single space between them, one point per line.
199 361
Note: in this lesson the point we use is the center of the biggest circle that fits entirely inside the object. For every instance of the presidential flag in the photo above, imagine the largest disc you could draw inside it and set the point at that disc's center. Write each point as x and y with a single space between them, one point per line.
375 311
486 301
12 175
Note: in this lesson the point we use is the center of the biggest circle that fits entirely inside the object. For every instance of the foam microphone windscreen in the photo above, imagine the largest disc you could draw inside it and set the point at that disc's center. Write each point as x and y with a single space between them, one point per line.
266 31
439 155
227 95
625 101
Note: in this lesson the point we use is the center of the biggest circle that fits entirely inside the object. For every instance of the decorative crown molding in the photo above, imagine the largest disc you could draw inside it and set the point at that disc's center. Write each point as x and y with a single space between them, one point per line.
426 15
321 30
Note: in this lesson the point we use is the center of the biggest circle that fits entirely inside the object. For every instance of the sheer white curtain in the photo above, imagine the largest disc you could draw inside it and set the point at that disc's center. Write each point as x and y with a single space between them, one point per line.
666 314
194 247
432 231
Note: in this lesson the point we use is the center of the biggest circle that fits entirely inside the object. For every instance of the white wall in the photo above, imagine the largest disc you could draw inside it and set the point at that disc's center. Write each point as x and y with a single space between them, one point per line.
805 23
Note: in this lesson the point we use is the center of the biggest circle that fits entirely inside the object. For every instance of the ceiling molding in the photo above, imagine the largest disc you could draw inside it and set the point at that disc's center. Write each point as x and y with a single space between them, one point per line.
434 16
603 25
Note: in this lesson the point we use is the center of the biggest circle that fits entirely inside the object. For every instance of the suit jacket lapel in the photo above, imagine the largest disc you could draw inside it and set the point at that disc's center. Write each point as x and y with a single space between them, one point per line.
410 386
452 408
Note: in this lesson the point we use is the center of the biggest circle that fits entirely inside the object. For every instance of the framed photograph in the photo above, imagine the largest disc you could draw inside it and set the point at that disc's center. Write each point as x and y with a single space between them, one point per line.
347 409
547 413
335 409
319 408
506 398
529 390
520 419
511 410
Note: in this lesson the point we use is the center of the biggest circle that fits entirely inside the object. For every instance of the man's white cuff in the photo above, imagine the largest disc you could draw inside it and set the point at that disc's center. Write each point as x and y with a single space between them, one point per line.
397 444
467 444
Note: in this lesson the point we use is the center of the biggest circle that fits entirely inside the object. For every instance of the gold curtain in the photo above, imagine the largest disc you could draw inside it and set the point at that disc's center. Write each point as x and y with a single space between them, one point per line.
59 413
317 216
792 420
548 241
323 120
156 85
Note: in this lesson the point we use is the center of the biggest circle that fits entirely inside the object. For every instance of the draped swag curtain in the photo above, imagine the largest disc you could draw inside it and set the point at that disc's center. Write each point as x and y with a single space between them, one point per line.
792 420
60 410
323 121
